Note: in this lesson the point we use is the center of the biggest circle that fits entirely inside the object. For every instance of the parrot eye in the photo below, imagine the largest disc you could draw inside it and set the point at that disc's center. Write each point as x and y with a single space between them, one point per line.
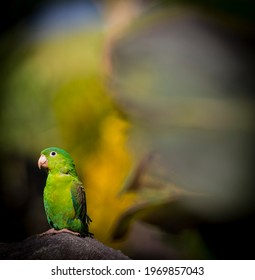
53 154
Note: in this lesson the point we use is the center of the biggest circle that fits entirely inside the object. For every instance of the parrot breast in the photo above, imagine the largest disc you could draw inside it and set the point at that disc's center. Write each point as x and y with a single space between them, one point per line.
58 203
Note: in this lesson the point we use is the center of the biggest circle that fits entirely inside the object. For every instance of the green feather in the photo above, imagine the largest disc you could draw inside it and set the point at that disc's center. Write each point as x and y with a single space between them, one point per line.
64 194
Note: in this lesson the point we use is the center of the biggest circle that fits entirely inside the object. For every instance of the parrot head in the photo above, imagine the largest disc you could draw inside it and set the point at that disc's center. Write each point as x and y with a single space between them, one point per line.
56 159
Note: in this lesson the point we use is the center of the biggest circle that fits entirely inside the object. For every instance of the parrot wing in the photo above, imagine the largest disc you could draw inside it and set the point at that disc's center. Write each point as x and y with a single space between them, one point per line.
79 202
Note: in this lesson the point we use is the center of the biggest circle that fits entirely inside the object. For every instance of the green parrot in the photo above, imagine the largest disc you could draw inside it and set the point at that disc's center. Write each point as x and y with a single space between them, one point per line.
64 194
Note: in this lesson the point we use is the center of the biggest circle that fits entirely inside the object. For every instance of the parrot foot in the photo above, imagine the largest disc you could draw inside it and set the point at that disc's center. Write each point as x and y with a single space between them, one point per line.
54 231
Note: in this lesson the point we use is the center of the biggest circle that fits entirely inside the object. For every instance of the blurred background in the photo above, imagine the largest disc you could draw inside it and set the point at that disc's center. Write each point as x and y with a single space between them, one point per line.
155 102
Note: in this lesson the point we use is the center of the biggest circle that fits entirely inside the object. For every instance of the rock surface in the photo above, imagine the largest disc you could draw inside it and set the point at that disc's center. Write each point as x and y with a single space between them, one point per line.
59 246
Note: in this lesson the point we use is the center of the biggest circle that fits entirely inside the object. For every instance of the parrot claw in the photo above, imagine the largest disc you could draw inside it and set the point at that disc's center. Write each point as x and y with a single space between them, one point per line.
54 231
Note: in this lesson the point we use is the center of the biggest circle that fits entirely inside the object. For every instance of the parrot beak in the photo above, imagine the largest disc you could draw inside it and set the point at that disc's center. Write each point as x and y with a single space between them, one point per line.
42 162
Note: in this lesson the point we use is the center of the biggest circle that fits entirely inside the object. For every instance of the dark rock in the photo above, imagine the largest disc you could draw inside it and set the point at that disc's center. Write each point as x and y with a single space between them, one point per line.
58 247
